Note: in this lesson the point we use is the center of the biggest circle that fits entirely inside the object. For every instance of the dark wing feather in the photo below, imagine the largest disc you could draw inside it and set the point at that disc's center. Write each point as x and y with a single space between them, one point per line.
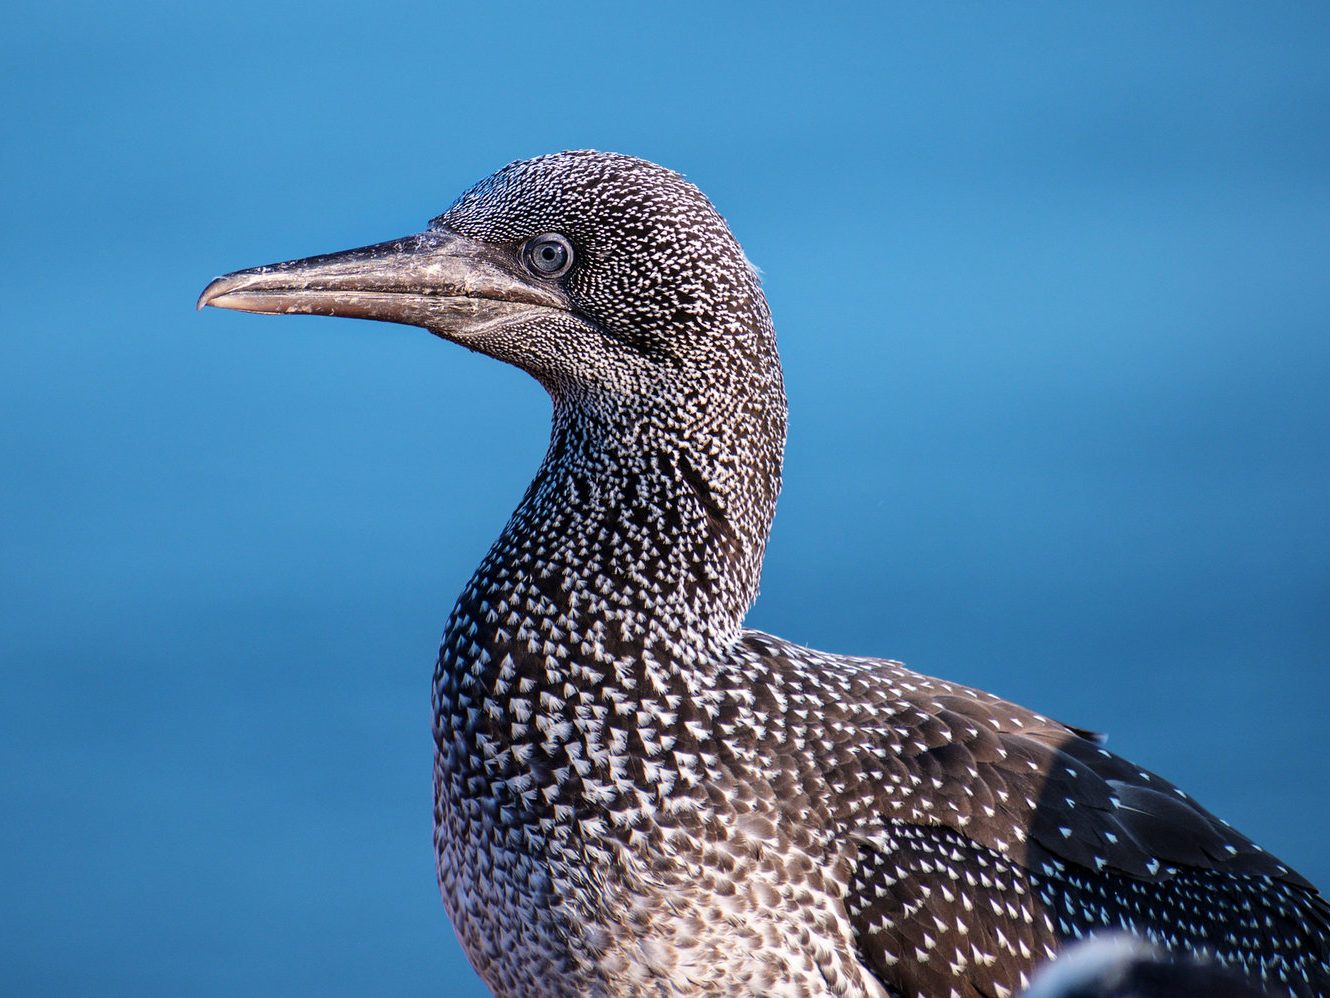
1032 834
1081 803
986 835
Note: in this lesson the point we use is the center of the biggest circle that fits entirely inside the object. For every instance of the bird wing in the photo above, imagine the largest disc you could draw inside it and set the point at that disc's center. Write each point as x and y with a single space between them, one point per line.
1031 788
955 801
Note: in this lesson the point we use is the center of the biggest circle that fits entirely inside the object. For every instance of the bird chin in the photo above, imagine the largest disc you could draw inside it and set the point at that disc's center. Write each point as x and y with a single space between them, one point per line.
479 324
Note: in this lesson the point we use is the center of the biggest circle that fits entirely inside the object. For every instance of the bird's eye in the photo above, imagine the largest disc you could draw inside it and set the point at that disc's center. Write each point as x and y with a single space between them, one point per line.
550 255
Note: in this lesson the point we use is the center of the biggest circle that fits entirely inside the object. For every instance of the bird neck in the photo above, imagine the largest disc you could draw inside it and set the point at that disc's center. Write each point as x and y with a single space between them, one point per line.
643 525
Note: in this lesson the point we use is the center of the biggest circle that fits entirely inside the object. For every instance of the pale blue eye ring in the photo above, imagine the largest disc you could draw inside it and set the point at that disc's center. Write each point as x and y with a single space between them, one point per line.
549 255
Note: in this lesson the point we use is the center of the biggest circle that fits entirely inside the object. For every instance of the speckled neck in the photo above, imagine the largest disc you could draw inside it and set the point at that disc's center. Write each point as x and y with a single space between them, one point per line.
646 522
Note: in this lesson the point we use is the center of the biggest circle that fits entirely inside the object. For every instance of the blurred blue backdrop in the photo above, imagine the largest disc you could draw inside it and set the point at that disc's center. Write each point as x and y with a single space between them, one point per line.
1052 288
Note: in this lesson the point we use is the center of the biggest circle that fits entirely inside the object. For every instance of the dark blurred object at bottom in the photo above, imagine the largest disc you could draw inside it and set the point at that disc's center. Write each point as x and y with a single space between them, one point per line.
1119 966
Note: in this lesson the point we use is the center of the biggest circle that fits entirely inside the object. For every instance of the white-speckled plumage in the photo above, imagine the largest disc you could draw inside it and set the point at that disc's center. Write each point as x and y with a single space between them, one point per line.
637 796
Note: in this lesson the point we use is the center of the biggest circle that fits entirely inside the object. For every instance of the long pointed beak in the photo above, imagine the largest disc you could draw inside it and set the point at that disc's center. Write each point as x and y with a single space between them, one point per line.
449 284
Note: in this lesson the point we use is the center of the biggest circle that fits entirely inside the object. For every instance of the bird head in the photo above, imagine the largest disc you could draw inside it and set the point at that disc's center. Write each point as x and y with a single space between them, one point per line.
602 275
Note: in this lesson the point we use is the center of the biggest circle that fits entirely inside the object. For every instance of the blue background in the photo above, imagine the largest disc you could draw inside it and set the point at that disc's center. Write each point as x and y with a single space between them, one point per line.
1052 289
